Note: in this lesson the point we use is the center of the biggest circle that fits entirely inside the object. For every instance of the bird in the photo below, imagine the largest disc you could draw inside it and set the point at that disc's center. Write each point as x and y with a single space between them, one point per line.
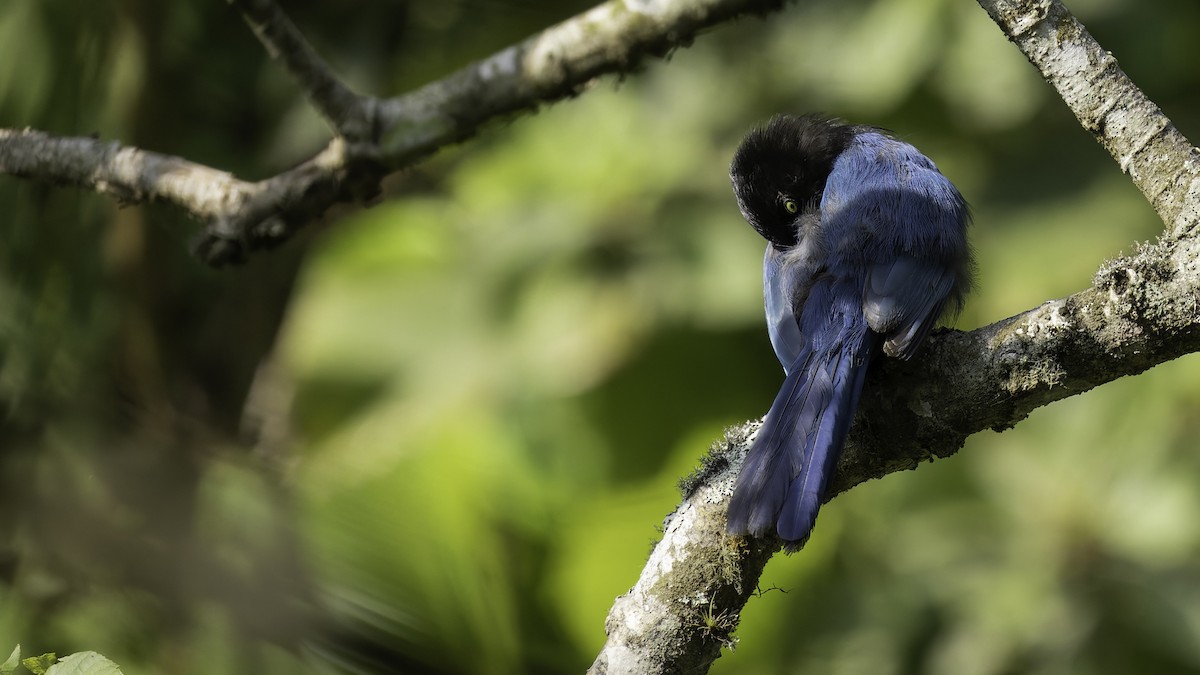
866 249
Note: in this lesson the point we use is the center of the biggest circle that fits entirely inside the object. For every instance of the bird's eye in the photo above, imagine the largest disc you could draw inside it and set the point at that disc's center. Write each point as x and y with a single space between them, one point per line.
790 205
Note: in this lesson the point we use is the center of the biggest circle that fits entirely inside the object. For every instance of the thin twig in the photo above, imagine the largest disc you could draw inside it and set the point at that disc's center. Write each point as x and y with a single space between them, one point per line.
346 111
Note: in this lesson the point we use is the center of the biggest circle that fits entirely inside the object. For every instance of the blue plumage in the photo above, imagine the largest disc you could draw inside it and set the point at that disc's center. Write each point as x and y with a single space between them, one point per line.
866 248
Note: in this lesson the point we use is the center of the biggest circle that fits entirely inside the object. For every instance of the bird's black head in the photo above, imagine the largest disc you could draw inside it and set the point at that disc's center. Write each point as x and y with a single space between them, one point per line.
779 171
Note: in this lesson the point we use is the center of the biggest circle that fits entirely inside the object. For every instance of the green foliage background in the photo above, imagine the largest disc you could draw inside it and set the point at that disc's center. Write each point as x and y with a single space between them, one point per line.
472 401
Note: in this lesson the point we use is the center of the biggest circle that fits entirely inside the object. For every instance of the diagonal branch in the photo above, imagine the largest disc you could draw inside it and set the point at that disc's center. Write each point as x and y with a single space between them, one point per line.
1160 160
1140 311
559 62
376 137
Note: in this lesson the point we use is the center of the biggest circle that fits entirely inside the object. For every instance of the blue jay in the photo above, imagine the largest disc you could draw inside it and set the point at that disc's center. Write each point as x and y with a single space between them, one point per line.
866 247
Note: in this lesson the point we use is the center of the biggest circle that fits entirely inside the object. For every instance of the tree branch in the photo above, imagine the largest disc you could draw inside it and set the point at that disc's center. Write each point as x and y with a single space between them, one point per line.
1160 160
686 604
346 111
376 136
1140 311
128 174
241 216
558 63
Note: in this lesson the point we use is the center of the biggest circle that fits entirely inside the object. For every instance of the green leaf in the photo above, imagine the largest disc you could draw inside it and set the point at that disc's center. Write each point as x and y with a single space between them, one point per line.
39 665
12 662
84 663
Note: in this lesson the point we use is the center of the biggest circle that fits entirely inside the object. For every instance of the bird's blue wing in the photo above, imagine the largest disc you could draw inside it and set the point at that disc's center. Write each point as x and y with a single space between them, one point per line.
788 275
903 299
781 321
915 255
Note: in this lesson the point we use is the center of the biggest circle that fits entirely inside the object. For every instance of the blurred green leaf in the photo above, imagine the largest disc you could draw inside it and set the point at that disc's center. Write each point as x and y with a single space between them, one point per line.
40 665
10 664
84 663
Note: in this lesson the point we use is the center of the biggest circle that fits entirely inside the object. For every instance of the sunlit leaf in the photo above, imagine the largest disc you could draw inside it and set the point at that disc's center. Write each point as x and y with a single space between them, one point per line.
84 663
39 665
10 664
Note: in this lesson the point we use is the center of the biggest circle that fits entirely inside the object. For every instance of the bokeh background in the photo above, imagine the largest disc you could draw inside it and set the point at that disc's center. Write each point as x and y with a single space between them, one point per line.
437 435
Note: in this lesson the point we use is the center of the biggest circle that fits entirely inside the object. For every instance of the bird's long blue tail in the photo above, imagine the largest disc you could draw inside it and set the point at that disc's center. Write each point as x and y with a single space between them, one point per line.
783 480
